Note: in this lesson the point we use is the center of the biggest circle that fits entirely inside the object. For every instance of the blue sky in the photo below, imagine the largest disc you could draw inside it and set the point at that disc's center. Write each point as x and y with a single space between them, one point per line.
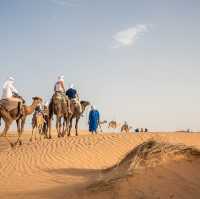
135 60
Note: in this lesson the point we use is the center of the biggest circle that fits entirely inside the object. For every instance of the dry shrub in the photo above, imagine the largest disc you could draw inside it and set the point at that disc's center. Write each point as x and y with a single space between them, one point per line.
148 154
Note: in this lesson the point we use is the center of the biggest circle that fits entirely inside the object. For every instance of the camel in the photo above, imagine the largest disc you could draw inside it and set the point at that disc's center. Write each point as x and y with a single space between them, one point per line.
46 118
59 107
101 123
113 124
10 116
38 122
125 128
76 114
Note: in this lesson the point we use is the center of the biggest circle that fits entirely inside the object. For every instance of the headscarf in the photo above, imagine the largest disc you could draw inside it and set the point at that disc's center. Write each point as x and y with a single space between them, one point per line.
71 86
61 78
10 80
93 107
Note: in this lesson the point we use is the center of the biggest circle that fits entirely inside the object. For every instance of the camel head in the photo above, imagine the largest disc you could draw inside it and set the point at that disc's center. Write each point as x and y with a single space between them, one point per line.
84 104
37 100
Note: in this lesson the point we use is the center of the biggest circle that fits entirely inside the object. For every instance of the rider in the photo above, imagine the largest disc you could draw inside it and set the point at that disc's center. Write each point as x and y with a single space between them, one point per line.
72 94
38 109
10 94
59 88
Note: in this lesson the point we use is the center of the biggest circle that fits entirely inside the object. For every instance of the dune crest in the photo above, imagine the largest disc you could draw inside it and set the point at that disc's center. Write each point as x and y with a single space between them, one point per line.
147 155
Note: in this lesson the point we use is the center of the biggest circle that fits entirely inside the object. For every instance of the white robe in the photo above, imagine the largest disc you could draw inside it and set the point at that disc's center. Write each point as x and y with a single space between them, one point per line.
58 87
8 89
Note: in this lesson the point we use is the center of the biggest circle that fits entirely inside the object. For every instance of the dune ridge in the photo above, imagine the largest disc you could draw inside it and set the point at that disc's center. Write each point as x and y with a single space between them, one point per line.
148 154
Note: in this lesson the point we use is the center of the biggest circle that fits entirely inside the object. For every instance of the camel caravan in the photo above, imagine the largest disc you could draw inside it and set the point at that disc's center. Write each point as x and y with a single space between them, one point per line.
64 104
123 128
114 125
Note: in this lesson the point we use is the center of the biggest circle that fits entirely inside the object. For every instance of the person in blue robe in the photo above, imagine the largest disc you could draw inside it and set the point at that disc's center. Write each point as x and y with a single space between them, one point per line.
72 92
94 118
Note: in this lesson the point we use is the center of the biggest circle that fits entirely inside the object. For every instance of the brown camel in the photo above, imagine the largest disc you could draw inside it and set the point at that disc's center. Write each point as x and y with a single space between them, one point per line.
76 114
125 128
38 122
10 116
113 124
59 107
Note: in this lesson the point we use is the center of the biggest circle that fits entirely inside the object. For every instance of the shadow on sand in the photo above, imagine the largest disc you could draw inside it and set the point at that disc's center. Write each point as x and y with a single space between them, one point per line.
75 172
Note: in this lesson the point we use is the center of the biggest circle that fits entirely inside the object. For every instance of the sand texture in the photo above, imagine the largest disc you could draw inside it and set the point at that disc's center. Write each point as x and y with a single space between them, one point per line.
109 165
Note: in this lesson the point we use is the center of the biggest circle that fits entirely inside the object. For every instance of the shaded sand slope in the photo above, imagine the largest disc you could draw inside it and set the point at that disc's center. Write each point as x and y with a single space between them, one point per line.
63 168
180 180
152 170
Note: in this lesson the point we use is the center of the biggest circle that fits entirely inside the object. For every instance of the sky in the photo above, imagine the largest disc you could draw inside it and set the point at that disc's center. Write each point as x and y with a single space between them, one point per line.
135 60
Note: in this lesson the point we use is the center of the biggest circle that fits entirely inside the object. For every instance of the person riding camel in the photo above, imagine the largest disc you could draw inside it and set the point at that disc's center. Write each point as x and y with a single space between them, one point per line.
59 89
10 97
59 86
73 96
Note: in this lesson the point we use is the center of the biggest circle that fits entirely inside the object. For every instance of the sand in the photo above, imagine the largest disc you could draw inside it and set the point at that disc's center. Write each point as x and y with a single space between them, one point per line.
68 167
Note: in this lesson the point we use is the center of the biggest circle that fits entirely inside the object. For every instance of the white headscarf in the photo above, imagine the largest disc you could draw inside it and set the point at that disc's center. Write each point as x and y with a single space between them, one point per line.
10 80
93 107
71 86
8 88
61 78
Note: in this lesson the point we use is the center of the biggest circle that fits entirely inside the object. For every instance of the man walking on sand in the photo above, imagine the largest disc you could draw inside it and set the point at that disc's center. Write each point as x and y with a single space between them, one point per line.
94 118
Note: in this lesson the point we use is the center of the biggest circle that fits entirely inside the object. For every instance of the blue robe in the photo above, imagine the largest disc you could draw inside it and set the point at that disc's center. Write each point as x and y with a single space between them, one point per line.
71 93
93 120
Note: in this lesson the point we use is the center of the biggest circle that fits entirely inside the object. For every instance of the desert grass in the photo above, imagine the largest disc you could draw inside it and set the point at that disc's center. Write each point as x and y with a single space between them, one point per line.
149 154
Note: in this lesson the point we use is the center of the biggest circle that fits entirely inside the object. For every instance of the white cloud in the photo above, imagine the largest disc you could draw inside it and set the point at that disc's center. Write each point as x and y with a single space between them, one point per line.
129 36
65 2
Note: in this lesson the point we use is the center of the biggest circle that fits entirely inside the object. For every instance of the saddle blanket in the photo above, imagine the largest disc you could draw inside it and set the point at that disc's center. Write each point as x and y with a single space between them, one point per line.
8 104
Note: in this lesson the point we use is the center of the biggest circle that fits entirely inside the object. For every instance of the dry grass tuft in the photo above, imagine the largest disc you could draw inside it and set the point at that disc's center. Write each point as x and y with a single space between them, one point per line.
148 154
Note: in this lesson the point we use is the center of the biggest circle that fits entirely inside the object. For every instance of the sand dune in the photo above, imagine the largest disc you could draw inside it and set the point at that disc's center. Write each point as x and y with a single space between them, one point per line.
64 168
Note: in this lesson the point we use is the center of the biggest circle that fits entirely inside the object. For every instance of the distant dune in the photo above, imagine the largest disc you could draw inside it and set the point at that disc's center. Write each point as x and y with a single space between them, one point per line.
141 166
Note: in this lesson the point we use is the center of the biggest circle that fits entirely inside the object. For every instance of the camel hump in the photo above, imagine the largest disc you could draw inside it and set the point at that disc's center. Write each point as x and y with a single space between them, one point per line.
59 97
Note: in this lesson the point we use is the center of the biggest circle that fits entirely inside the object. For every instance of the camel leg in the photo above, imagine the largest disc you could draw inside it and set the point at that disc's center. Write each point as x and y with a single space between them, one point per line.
4 133
23 120
40 132
70 127
21 127
32 134
76 125
18 125
33 127
49 125
45 129
65 125
62 126
36 133
58 126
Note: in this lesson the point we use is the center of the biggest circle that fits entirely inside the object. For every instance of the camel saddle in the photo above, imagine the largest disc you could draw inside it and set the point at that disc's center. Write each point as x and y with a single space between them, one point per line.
8 104
60 97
